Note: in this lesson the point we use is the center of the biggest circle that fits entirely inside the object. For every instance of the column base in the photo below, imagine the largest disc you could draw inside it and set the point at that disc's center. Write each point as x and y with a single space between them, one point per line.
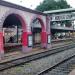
26 49
44 45
1 54
49 46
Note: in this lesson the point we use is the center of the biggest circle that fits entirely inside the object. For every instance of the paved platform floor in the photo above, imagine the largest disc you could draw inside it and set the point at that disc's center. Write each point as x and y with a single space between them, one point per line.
18 54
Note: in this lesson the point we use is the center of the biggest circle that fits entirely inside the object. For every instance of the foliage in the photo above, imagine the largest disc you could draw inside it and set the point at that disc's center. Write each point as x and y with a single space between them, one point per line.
52 5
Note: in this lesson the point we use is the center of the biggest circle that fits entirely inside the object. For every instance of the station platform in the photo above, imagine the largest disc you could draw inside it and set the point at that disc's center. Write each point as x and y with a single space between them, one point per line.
61 40
18 54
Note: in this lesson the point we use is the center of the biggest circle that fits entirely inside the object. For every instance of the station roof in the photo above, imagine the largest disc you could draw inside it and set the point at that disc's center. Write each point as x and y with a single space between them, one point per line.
8 4
60 11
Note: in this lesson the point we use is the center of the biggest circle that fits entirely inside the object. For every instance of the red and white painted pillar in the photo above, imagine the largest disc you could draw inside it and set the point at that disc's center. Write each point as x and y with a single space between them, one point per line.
48 40
25 35
1 45
25 41
44 39
48 32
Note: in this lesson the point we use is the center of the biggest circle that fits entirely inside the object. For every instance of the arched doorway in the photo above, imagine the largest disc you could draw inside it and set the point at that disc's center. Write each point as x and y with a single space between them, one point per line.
12 32
39 33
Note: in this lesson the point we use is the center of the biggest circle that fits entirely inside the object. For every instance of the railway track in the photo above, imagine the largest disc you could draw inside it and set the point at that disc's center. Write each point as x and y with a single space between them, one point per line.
62 68
19 61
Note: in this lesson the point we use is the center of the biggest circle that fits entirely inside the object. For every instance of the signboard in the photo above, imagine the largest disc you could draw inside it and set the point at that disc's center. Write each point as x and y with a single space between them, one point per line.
60 17
49 39
30 41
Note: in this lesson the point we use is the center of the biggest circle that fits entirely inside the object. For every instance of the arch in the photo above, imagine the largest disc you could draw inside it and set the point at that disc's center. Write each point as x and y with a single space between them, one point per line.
43 33
41 22
18 15
22 20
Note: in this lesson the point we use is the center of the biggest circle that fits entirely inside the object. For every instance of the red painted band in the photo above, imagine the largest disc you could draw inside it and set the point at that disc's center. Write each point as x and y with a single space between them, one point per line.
25 38
43 37
1 41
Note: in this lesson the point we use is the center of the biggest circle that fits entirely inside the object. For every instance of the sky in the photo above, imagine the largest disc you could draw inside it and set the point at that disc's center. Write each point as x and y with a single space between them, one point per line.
27 3
33 3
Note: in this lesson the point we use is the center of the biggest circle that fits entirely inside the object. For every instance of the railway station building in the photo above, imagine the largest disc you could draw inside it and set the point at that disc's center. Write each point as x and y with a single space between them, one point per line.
24 29
62 23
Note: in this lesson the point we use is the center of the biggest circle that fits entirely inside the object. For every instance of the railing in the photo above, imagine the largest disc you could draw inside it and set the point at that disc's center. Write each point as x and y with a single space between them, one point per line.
63 28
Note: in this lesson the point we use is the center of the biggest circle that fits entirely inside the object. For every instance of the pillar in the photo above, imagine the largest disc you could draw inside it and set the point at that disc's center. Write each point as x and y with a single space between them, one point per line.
1 46
44 39
25 41
48 29
48 40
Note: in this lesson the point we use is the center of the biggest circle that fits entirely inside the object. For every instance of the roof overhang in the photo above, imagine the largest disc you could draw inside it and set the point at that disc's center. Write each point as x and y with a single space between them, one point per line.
60 11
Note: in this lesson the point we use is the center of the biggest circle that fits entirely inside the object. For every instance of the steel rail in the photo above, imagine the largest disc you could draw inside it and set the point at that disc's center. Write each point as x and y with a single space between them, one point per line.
16 62
53 67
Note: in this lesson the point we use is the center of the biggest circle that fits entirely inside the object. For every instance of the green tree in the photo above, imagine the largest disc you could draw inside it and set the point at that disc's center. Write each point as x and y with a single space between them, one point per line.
52 5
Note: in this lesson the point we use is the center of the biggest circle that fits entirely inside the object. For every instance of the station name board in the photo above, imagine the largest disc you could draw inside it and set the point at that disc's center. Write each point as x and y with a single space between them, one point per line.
60 17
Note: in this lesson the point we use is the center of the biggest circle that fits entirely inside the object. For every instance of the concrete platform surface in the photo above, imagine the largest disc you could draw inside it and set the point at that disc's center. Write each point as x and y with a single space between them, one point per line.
19 54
